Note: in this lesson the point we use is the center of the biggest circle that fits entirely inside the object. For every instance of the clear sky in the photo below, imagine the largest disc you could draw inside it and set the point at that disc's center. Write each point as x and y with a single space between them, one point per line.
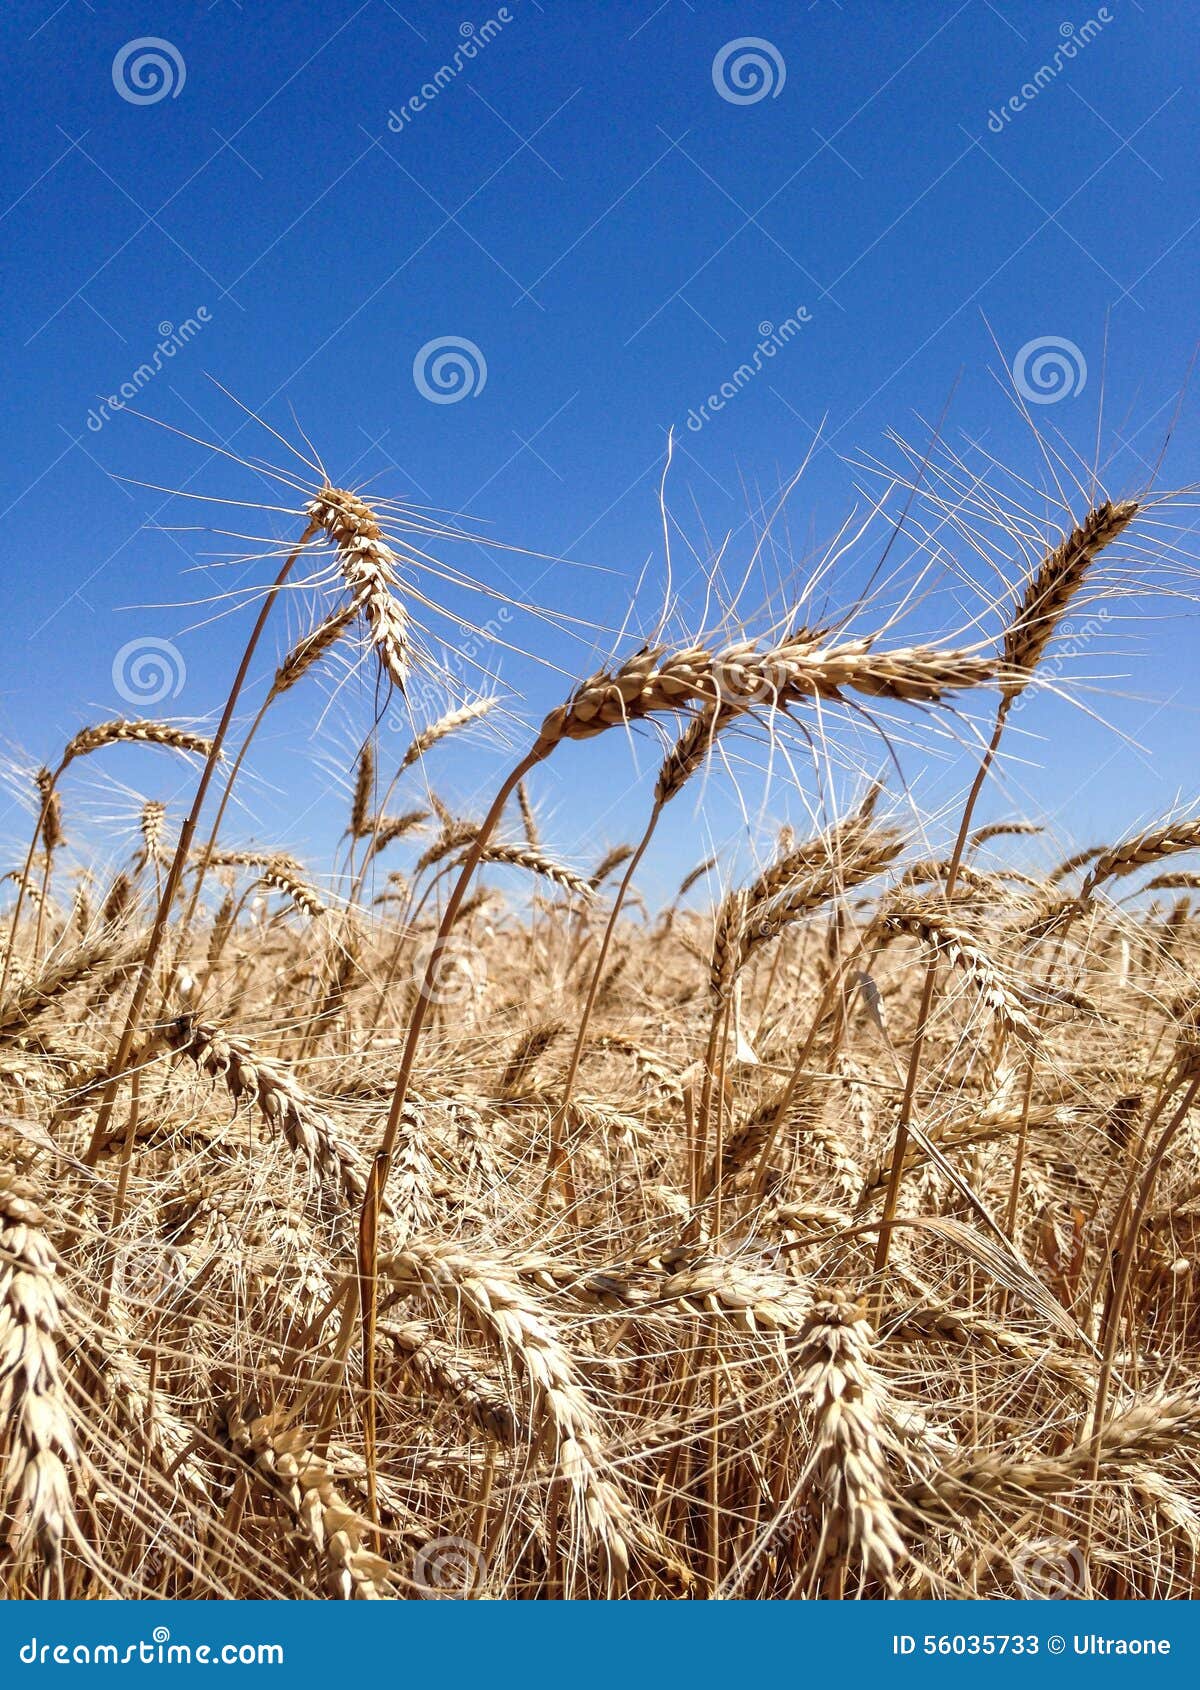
612 205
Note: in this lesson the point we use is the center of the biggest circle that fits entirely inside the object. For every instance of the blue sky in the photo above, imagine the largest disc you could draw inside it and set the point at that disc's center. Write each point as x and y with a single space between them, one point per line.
584 204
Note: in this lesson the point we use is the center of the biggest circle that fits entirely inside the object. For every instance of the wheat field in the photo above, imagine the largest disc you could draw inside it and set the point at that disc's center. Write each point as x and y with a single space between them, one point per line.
444 1220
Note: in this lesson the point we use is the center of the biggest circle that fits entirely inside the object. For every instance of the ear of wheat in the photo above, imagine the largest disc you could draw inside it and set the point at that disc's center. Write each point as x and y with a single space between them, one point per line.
368 566
1140 852
284 1104
537 862
278 870
847 1468
123 732
364 791
1050 591
36 1488
451 722
313 647
51 805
